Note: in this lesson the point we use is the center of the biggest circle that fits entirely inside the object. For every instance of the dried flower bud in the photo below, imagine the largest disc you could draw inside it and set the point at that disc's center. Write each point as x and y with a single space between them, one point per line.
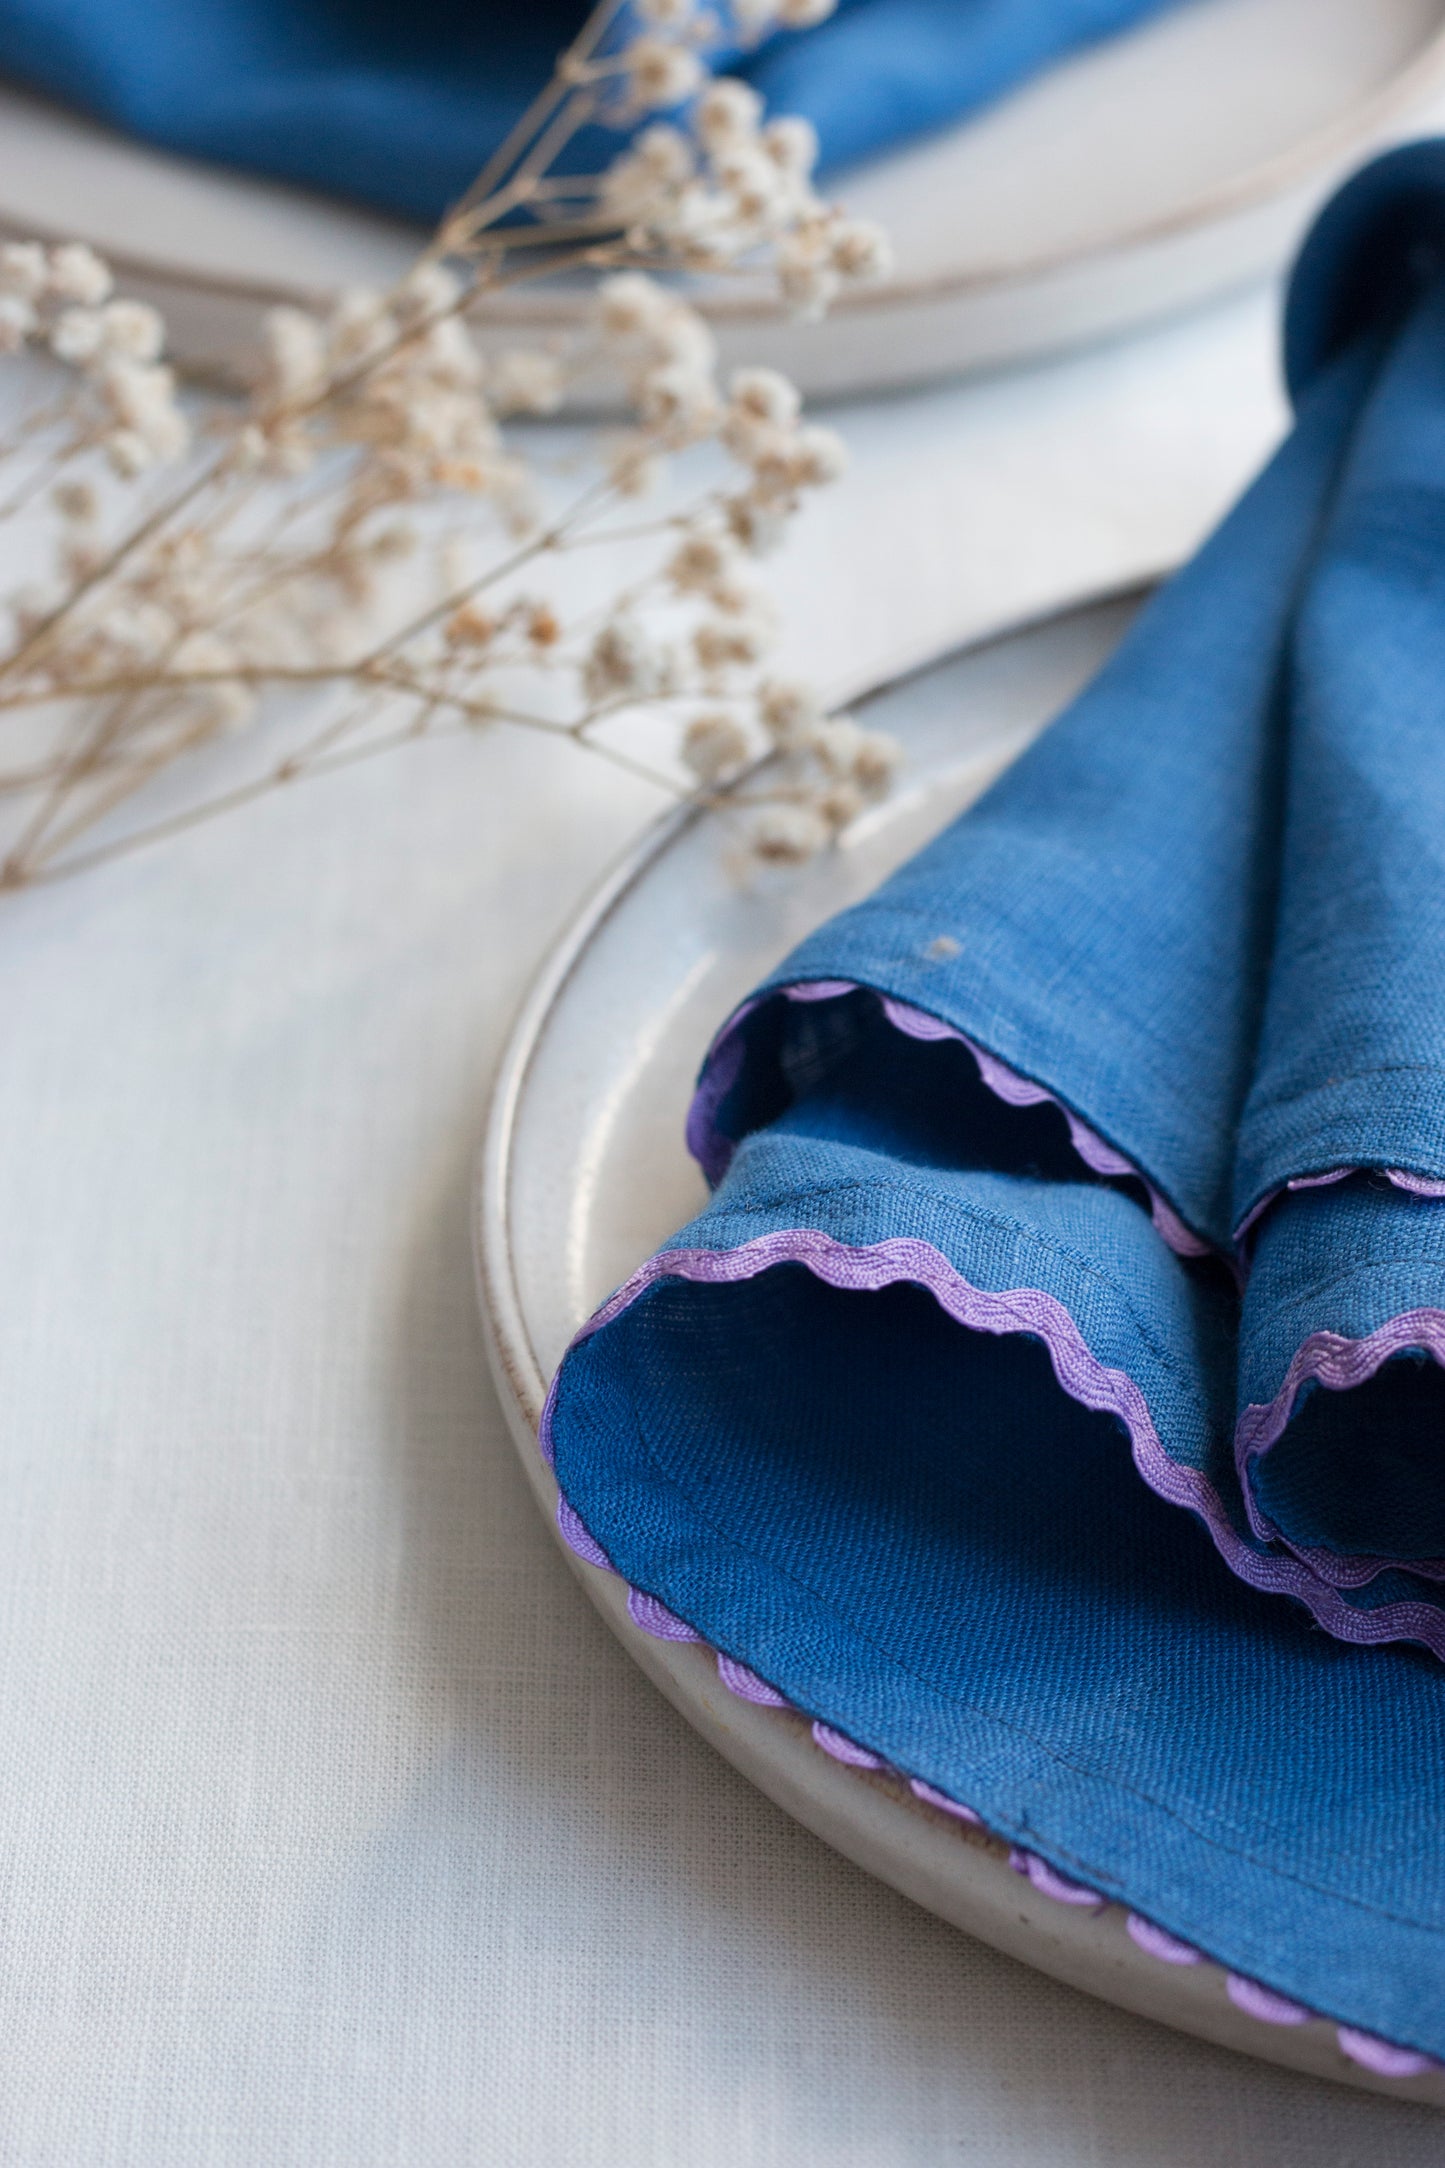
787 835
358 327
128 453
75 501
713 746
792 144
806 283
666 14
287 449
664 153
821 457
526 381
132 330
836 745
621 663
80 557
23 269
789 712
756 523
678 401
698 227
876 763
752 183
448 354
865 758
700 561
295 353
763 395
680 335
630 306
17 321
804 14
430 290
636 186
727 113
634 466
772 454
470 626
227 706
141 395
660 74
735 595
78 274
542 625
722 644
840 805
860 250
76 336
251 448
750 18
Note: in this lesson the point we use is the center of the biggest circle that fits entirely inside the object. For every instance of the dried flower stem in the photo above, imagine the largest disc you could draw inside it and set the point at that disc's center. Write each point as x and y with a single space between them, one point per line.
192 587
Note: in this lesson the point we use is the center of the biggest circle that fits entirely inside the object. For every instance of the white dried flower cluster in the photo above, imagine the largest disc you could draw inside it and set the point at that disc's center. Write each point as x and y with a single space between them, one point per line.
61 298
336 535
732 184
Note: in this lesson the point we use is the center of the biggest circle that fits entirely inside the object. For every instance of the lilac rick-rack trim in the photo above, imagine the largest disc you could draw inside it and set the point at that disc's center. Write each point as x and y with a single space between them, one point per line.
712 1150
1080 1375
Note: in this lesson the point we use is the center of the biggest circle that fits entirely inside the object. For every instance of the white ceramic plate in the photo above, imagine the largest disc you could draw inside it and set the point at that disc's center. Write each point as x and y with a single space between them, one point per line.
1144 175
584 1173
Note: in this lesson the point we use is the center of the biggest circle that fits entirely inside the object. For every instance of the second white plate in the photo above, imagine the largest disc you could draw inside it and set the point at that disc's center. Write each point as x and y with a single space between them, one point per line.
1137 178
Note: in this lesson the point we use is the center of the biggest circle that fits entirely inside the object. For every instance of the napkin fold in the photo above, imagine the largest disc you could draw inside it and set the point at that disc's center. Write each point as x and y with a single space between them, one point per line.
399 106
1094 1169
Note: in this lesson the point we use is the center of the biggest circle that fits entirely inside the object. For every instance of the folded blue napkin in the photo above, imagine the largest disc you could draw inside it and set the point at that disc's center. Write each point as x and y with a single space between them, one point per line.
399 105
1092 1170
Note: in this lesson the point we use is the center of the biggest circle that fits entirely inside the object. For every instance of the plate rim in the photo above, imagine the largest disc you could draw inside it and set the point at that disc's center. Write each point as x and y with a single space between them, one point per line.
1258 187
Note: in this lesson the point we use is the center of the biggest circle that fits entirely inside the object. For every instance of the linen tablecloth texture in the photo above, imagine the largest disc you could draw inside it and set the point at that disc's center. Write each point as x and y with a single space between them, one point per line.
400 104
905 1421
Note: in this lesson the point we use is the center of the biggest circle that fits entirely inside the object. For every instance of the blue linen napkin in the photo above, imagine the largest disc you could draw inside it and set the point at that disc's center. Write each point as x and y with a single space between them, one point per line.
1091 1170
399 105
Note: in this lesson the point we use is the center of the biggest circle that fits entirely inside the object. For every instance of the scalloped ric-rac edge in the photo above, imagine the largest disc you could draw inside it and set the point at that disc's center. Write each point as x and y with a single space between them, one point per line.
712 1150
1007 1313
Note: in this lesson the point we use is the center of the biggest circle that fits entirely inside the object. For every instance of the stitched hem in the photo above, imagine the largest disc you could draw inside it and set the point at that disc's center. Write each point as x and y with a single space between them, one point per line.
1416 1185
713 1150
1079 1373
1338 1364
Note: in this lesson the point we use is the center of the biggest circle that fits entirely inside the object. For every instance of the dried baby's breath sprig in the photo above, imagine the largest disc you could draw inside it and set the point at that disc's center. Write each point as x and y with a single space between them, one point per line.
369 549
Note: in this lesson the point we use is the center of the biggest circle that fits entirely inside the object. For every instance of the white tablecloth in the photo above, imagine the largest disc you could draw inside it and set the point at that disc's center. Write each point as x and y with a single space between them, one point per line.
335 1828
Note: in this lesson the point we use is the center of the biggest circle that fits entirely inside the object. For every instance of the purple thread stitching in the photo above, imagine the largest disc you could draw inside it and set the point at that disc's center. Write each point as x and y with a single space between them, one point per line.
1020 1091
580 1539
739 1679
1156 1943
932 1797
654 1618
1050 1883
1418 1185
723 1064
1339 1365
1380 2056
1372 2053
1082 1376
810 1247
844 1749
1263 2003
